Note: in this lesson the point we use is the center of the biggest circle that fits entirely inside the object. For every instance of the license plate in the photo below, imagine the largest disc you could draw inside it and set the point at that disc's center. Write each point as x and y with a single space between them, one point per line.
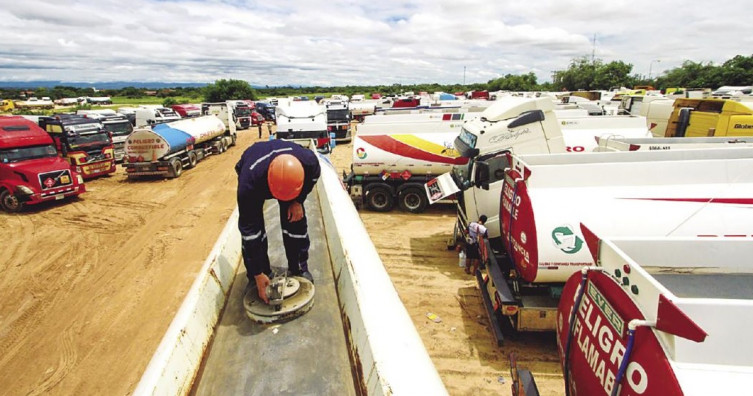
59 197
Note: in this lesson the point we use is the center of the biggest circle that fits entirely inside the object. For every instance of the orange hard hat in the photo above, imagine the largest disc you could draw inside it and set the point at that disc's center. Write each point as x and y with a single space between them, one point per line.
285 177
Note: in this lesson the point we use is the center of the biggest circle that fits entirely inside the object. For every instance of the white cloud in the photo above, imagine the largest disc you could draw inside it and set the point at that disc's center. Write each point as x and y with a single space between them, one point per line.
340 42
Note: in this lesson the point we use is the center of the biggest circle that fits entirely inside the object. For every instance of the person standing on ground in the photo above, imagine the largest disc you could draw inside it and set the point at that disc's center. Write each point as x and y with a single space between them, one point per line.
282 170
260 125
476 230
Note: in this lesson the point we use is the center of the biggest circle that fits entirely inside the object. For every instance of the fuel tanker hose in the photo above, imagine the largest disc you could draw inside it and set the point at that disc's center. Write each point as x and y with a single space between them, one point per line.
509 229
571 329
628 350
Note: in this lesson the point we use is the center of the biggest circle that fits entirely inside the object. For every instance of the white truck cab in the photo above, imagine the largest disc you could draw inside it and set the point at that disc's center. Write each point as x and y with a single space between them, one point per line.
520 126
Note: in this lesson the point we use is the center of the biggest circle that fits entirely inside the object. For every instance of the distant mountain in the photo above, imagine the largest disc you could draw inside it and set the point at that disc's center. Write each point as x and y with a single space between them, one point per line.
99 85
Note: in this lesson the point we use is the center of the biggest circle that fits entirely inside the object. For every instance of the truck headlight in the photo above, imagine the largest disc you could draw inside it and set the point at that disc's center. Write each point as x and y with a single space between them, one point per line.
25 190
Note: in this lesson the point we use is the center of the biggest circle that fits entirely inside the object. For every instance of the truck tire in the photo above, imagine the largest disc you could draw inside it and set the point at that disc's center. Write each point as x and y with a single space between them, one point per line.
380 198
192 159
10 202
453 242
176 167
412 199
222 147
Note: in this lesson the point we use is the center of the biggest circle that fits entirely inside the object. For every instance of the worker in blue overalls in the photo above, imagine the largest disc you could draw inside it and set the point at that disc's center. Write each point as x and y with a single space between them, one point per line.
285 171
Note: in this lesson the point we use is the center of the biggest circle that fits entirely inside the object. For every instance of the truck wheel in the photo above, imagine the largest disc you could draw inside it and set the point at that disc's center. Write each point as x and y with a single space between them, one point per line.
412 199
176 166
379 198
10 202
192 159
222 146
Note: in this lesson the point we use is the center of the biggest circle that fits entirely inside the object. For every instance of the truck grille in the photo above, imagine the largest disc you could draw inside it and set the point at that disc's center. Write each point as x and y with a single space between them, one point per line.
55 179
95 156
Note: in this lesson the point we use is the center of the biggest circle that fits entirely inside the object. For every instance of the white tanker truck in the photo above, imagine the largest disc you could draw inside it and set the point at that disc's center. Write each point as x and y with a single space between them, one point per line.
661 316
166 149
688 193
392 161
657 316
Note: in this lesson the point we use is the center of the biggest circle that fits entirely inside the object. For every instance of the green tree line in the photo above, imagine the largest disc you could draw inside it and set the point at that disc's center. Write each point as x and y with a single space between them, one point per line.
582 73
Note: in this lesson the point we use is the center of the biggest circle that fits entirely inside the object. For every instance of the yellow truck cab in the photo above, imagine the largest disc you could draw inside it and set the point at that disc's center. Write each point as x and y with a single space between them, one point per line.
710 117
7 105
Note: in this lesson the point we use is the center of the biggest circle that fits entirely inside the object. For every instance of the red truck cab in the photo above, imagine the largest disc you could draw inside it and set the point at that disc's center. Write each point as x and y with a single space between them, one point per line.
479 95
30 169
406 102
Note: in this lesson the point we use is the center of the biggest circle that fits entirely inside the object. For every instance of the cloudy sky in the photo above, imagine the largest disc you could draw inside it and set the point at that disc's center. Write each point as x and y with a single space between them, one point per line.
338 42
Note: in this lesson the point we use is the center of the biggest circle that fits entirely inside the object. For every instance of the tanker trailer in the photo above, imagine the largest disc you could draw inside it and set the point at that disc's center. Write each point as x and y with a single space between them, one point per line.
544 198
391 163
166 149
659 316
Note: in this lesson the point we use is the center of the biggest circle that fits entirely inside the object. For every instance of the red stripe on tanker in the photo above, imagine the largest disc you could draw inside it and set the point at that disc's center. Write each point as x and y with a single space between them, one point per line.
419 151
669 193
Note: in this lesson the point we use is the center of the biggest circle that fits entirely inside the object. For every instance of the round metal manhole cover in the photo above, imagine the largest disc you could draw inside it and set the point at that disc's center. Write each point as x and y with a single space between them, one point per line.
298 299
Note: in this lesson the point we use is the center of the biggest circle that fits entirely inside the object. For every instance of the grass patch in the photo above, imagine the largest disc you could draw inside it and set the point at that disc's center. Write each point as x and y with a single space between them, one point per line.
152 100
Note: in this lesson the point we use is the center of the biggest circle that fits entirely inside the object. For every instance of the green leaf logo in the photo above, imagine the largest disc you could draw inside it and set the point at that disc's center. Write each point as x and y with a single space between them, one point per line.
565 239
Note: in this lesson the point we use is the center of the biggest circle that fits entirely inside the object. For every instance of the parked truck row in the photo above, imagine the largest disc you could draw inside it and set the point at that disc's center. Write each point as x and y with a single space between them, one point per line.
491 185
396 153
32 154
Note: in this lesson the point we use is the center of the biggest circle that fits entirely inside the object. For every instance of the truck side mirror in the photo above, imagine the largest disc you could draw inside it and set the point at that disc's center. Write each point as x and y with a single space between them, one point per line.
528 117
481 175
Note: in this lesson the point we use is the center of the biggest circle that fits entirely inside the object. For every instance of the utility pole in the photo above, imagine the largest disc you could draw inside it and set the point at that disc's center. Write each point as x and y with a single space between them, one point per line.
650 66
593 51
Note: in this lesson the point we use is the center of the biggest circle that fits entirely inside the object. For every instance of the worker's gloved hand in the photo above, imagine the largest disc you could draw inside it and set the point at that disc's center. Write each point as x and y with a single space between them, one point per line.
295 212
262 281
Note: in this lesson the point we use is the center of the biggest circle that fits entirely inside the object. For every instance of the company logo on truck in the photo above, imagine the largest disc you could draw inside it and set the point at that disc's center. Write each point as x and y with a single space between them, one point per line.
361 153
512 135
565 239
743 126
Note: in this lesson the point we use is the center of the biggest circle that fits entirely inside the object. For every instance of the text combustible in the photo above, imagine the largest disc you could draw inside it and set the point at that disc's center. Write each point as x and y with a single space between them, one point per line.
144 147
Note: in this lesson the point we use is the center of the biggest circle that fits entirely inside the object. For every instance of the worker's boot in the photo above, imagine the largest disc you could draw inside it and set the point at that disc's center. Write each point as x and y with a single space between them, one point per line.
305 271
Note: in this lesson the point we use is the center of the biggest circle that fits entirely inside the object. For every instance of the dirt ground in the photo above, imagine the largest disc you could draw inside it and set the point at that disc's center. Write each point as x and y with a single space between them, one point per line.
89 286
413 248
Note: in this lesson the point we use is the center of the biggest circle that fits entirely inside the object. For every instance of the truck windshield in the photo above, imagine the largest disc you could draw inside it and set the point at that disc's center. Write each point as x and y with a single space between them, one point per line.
91 139
243 111
121 128
338 115
468 138
27 153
